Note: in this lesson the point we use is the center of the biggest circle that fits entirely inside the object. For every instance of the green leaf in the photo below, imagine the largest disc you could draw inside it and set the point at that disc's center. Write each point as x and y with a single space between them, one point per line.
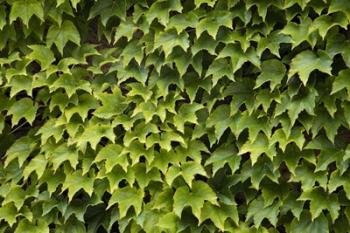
9 213
258 147
182 21
25 9
318 225
271 70
93 133
194 198
20 150
60 35
169 221
320 200
258 211
307 61
339 6
113 155
63 153
71 83
213 22
169 40
25 226
76 181
187 170
112 104
37 164
223 155
106 9
341 82
125 198
219 214
42 54
23 108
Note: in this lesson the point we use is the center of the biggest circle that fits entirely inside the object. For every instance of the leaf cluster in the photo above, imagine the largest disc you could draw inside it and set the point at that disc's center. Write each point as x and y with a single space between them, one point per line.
174 116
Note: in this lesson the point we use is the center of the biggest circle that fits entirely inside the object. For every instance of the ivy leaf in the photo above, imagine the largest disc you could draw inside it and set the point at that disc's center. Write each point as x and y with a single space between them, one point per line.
298 32
20 150
23 108
213 22
85 103
76 181
113 155
106 9
63 153
187 170
195 198
112 104
125 198
318 225
71 83
37 164
160 10
258 211
20 83
186 113
257 147
25 9
17 195
24 226
169 221
204 42
182 21
9 213
218 69
60 35
320 200
325 22
219 214
307 61
271 70
98 130
169 40
341 82
339 6
222 156
42 54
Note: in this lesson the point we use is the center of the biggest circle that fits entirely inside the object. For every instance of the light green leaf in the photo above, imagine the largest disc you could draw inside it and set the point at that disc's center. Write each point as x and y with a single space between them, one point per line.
320 200
213 22
194 198
307 61
25 226
60 35
76 181
125 198
113 155
25 9
42 54
219 214
20 150
37 164
258 147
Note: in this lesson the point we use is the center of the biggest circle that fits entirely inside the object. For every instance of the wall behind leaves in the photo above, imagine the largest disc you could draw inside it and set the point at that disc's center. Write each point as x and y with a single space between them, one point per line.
174 116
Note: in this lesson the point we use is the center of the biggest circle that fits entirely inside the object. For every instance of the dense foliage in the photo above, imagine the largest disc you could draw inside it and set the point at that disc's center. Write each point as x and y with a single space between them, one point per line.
174 116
